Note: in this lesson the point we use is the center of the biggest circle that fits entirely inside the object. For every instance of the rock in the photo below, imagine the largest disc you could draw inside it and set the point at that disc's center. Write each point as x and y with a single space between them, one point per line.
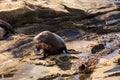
97 48
33 11
5 69
82 23
107 69
83 46
71 34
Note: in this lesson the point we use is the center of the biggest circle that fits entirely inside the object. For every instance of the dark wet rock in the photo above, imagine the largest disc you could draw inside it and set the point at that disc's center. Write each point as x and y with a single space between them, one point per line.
105 23
117 68
34 29
17 48
97 48
64 63
71 34
115 74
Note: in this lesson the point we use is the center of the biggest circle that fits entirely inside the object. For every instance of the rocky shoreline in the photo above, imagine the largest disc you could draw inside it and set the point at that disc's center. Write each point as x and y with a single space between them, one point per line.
83 24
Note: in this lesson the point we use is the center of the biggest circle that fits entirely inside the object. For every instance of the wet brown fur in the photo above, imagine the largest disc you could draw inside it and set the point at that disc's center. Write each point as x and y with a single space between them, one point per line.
50 43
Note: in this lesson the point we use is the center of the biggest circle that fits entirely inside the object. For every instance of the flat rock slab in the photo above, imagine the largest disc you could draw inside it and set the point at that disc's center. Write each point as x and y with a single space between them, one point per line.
82 46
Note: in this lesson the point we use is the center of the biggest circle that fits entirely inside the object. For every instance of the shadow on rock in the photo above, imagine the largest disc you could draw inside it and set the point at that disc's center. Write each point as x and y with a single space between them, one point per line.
64 62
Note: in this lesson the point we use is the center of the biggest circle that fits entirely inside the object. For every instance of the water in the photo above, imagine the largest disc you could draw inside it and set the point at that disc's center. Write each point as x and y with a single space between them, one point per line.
113 54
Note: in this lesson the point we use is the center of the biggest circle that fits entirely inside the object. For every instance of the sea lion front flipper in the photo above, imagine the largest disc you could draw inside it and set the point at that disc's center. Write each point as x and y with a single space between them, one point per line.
43 56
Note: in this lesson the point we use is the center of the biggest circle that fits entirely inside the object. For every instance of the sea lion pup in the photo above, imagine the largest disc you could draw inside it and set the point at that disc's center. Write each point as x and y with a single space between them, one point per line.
50 43
8 29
